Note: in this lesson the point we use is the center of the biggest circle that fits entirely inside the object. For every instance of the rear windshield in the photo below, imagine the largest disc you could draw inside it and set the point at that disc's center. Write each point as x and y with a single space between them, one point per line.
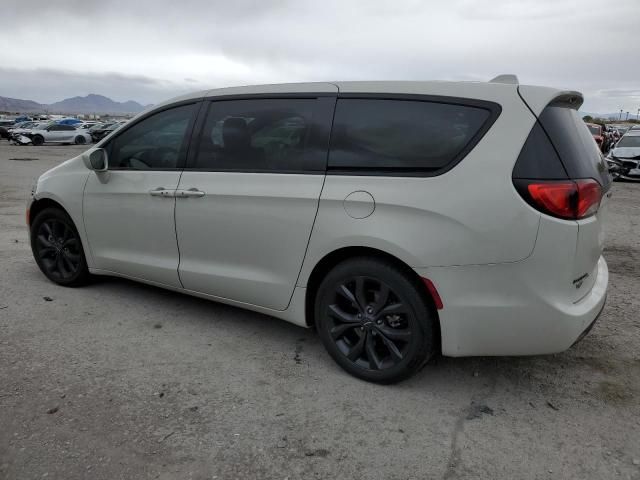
574 143
629 141
403 135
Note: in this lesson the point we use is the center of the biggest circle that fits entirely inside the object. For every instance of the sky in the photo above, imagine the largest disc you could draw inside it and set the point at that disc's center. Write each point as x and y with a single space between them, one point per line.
151 50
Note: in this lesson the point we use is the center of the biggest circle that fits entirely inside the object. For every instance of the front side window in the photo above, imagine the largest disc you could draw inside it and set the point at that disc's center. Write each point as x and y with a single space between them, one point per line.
401 135
261 135
155 143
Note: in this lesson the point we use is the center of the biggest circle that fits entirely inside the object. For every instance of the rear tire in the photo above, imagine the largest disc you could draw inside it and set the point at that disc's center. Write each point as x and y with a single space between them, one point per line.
374 320
37 140
57 248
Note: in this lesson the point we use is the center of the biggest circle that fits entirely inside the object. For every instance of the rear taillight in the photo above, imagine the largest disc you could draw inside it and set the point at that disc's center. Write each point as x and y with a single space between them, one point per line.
568 199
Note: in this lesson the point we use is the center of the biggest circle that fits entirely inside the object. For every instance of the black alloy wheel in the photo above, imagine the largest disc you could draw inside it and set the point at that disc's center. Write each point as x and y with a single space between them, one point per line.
80 140
37 140
57 248
374 321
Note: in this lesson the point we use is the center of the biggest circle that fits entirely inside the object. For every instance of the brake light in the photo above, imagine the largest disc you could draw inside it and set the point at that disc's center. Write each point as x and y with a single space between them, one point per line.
589 196
568 199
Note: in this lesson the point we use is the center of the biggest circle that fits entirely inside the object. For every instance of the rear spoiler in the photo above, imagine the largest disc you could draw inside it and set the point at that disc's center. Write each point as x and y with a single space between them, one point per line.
568 100
537 98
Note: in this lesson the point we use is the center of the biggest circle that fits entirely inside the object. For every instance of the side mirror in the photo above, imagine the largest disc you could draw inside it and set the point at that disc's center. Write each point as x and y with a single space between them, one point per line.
98 160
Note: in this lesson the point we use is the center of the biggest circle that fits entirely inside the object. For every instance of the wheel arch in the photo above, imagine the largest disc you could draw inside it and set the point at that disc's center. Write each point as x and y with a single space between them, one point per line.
335 257
40 204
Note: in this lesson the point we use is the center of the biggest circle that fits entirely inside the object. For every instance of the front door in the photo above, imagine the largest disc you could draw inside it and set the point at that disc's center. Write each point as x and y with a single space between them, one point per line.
60 133
247 201
129 209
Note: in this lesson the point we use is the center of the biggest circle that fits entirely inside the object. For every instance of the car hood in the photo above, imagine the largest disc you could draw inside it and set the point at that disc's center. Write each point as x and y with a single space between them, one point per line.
626 152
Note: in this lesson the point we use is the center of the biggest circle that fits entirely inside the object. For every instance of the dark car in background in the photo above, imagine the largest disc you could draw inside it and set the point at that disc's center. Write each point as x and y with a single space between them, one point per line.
99 132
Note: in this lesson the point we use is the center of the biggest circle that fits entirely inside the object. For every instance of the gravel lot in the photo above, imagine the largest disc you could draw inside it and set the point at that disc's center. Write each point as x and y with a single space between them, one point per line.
121 380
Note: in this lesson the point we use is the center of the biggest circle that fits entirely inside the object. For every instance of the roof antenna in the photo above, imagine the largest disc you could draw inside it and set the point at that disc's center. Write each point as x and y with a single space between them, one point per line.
508 78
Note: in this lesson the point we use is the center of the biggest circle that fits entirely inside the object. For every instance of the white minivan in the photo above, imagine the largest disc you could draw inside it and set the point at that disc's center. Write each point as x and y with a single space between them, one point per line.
400 219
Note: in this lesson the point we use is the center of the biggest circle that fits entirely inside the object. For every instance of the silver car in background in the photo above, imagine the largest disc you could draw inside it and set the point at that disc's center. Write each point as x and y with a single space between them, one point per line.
624 157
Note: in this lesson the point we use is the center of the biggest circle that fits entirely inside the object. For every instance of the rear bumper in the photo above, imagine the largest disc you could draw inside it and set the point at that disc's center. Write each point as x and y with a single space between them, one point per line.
506 309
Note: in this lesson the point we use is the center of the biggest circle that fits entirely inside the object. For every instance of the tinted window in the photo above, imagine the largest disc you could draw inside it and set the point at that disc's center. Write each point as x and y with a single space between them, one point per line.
260 135
401 134
574 143
67 127
538 159
629 141
157 142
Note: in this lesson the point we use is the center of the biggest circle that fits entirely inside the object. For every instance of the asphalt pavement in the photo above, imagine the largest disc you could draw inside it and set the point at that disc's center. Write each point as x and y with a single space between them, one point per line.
120 380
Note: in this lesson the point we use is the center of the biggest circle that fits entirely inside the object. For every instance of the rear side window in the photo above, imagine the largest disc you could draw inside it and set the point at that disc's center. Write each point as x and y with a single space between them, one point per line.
574 143
263 135
403 135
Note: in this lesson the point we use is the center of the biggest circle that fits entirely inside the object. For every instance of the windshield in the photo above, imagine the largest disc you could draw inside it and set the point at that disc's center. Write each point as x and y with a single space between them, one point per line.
629 141
594 129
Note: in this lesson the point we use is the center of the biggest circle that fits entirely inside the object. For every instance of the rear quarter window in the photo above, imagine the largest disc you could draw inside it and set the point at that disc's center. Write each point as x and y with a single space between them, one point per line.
574 143
404 136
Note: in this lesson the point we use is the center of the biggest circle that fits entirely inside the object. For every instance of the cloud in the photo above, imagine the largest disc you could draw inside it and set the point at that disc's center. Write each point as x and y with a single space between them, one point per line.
46 85
162 47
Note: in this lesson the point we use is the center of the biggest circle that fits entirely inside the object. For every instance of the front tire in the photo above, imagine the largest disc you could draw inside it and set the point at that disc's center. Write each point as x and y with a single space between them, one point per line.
37 140
80 140
57 248
374 320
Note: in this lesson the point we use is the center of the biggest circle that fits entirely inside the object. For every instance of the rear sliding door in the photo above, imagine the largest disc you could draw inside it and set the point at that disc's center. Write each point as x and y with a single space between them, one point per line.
247 200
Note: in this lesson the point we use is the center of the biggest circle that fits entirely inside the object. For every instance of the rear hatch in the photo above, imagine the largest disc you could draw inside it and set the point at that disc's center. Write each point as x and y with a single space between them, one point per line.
575 172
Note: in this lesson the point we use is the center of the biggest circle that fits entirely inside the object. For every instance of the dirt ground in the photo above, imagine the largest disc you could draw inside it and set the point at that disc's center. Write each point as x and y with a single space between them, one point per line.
125 381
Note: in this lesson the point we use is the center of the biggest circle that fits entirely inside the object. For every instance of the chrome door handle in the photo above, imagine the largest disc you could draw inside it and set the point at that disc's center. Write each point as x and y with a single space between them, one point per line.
162 192
191 193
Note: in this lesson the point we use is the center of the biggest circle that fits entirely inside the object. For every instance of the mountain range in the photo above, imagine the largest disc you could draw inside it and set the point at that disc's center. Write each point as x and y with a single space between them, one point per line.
92 103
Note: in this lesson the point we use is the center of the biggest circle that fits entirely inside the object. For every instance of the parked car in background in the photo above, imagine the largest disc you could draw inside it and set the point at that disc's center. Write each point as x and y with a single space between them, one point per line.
7 123
624 157
97 132
338 205
57 133
26 127
85 125
596 132
101 132
69 121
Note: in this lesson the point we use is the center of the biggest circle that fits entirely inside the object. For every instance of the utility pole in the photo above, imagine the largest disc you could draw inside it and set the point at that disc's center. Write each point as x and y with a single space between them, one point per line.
620 116
626 119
